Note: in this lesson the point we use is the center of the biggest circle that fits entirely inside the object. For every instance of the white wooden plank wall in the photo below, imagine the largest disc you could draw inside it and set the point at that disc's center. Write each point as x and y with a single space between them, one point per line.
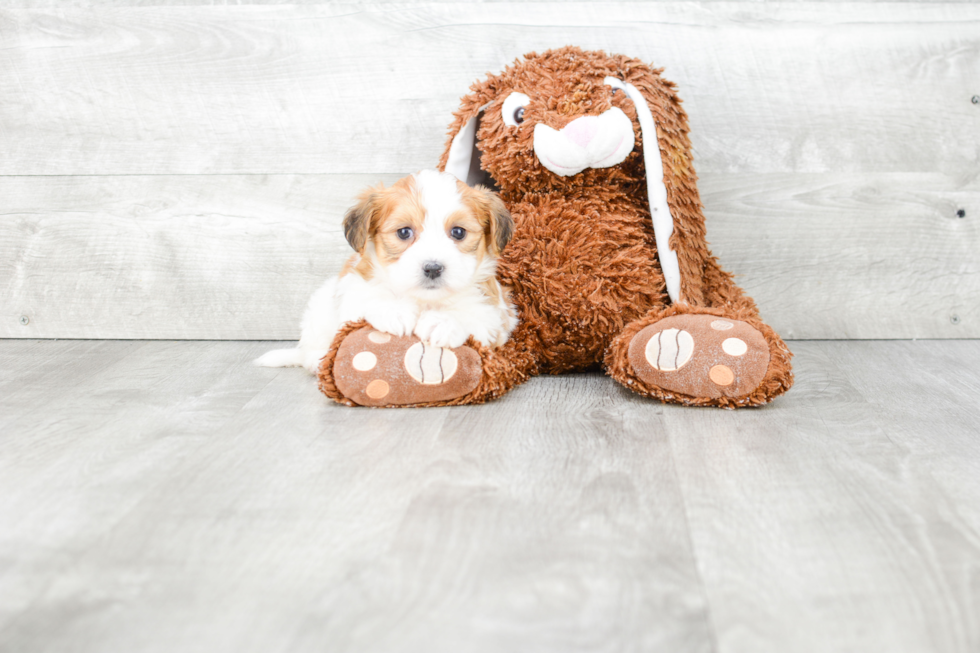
180 171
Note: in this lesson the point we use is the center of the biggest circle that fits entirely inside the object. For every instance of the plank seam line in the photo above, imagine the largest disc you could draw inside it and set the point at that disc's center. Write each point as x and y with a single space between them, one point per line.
708 613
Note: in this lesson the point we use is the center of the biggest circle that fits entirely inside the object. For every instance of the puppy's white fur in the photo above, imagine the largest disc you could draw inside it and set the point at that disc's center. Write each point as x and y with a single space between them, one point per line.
396 296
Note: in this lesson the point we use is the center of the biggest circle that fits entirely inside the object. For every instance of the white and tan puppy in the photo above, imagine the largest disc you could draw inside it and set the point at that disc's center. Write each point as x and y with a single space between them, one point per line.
426 260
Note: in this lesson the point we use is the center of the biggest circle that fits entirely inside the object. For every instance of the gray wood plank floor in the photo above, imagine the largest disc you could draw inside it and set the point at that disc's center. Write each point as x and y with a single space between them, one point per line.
168 496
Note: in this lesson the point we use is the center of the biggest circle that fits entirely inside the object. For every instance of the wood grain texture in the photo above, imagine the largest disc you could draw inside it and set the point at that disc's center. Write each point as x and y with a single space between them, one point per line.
946 379
47 4
219 257
161 496
788 507
832 141
178 257
770 87
297 524
852 256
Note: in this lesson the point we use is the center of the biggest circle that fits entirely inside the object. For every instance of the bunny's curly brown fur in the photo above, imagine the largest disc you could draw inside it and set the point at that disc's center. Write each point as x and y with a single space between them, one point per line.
583 261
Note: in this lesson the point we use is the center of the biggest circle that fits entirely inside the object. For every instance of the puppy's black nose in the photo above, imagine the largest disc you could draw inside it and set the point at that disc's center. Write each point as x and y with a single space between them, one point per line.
433 269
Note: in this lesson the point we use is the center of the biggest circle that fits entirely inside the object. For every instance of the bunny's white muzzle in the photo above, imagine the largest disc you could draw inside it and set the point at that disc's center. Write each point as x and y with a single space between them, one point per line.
588 142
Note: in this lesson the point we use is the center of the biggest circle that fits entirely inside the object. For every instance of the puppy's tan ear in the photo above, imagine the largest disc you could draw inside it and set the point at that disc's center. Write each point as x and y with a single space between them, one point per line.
501 224
357 221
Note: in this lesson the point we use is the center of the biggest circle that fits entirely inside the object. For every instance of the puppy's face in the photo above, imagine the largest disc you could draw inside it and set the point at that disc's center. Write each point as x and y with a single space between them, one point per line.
429 235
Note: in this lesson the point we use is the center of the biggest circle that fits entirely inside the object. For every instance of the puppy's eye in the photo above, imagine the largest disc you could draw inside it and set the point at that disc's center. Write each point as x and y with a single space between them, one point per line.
513 109
404 233
458 233
615 90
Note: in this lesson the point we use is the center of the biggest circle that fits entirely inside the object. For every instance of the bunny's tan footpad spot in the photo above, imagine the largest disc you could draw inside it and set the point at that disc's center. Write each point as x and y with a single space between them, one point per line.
700 356
378 369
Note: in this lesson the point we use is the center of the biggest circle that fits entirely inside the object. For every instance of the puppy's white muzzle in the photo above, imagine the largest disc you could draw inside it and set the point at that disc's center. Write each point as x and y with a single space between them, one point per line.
588 142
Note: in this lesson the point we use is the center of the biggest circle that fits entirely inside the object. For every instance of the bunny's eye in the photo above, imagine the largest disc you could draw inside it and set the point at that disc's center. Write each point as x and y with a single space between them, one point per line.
617 85
513 109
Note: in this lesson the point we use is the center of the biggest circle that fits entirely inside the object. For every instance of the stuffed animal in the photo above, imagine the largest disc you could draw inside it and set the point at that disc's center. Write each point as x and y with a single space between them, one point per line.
608 264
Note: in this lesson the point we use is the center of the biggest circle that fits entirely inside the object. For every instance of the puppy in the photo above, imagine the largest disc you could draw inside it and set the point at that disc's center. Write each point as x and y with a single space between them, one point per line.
426 260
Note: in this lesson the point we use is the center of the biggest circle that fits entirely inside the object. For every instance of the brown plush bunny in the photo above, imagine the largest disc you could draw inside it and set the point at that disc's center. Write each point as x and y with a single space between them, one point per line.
608 263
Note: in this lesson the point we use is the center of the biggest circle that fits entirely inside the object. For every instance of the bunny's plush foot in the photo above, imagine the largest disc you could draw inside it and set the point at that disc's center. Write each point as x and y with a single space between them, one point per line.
701 358
372 368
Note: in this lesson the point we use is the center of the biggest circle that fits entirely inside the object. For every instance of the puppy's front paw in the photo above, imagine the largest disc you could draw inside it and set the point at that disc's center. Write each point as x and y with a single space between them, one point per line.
440 330
396 321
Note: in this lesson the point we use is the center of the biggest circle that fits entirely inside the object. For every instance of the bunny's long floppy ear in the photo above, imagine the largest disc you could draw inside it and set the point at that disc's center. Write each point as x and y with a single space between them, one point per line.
464 156
663 221
461 157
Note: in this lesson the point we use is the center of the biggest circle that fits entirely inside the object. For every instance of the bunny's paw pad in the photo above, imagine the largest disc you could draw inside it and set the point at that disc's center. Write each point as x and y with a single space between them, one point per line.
700 356
373 368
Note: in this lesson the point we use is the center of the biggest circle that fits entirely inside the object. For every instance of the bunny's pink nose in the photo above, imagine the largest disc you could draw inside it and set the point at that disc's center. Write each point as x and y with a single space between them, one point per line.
581 130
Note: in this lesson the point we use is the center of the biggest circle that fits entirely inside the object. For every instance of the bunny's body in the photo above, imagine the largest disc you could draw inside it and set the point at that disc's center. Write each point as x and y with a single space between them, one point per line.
608 264
581 269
